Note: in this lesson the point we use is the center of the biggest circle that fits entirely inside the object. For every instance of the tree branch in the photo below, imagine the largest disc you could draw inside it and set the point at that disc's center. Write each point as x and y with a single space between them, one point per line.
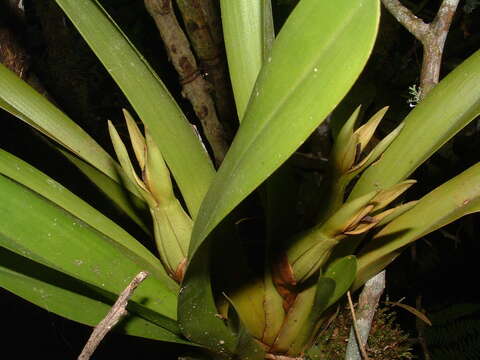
367 305
194 86
432 36
116 313
404 16
204 29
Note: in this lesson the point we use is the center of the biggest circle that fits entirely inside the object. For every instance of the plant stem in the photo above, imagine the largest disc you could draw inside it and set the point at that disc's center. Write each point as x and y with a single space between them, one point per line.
194 86
117 312
367 305
432 36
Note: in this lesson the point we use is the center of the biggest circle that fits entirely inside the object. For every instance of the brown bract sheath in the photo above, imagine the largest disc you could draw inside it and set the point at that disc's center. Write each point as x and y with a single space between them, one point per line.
284 280
194 87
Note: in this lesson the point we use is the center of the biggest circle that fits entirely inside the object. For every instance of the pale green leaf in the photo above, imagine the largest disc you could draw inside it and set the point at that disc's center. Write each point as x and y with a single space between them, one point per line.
22 101
295 91
130 204
455 198
171 131
28 105
248 33
448 108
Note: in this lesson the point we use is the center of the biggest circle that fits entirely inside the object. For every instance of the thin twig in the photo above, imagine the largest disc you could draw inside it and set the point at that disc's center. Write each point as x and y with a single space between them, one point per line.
282 357
355 328
194 87
117 311
432 36
367 305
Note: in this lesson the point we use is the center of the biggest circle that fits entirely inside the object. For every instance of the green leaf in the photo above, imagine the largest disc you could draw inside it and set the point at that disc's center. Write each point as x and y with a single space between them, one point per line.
28 105
22 101
331 286
455 198
171 131
248 33
127 202
68 297
197 312
299 313
40 183
343 271
42 231
295 91
448 108
247 347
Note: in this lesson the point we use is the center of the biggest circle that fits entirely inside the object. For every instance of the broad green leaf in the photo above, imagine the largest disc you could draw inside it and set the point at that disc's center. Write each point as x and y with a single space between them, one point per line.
295 91
38 182
455 198
38 229
248 34
171 131
448 108
68 297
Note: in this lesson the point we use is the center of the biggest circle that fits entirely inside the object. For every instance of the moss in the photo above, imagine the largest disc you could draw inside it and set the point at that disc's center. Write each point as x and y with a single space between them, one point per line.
387 341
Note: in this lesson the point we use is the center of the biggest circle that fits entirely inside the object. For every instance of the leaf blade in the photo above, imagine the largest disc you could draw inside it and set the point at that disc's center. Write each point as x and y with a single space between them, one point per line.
449 107
183 152
63 242
68 298
248 33
38 182
450 201
267 135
